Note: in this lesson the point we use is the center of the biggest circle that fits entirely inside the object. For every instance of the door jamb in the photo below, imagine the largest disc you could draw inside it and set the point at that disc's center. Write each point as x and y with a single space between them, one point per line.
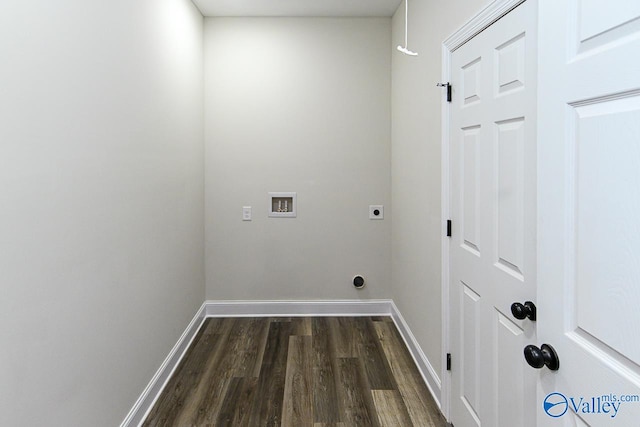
482 20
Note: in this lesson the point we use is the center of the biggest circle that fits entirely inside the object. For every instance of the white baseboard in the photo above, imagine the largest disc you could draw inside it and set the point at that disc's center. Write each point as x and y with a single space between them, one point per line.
280 309
429 375
147 399
298 308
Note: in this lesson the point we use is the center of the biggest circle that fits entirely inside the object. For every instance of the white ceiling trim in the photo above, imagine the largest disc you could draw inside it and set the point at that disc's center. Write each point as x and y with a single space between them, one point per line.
302 8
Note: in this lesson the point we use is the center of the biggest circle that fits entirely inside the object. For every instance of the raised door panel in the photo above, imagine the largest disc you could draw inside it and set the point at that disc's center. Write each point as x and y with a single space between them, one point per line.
606 230
510 58
471 384
471 82
513 385
599 23
509 194
470 169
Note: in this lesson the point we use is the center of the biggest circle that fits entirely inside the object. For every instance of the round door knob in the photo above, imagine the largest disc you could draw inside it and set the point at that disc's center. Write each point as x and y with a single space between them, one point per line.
543 356
522 311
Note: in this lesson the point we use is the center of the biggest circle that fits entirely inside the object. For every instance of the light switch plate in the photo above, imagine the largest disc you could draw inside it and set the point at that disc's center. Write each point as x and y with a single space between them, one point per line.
246 213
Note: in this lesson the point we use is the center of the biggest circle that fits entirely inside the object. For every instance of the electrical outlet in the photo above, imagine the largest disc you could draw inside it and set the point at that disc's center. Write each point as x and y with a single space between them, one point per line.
376 212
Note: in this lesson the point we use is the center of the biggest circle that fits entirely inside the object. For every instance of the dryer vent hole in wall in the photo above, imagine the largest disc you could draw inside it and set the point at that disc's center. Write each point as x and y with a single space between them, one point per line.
358 282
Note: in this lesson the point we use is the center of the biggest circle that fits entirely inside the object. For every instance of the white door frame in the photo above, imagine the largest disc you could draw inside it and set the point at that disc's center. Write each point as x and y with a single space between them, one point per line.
494 11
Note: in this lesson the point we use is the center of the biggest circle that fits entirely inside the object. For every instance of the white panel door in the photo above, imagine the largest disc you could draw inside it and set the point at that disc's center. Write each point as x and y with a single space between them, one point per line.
589 212
493 212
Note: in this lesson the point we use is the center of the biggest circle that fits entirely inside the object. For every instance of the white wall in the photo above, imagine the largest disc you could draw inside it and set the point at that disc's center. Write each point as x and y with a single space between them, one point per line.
297 104
416 189
101 173
101 202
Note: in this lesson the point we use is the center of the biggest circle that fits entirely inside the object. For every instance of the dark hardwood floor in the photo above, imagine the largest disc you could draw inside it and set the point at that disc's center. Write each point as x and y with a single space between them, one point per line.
306 371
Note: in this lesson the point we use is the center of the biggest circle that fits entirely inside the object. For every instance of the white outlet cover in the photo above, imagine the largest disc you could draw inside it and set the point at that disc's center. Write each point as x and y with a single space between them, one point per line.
246 213
376 209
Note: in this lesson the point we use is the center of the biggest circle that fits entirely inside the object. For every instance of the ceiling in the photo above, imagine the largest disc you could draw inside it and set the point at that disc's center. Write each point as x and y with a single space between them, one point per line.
334 8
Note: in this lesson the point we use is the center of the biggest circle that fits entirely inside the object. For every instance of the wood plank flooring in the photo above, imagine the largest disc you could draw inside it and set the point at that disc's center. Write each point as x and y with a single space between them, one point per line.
301 371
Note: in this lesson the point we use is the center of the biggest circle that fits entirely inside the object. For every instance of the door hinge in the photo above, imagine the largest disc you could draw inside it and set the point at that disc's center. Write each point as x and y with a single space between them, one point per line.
448 86
448 361
448 228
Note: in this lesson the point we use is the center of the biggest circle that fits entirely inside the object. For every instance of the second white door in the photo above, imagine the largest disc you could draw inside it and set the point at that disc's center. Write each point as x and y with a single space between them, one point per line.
493 213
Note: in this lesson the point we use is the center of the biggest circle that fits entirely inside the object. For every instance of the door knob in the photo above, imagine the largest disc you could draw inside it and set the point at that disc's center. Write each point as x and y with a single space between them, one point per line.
521 311
539 357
